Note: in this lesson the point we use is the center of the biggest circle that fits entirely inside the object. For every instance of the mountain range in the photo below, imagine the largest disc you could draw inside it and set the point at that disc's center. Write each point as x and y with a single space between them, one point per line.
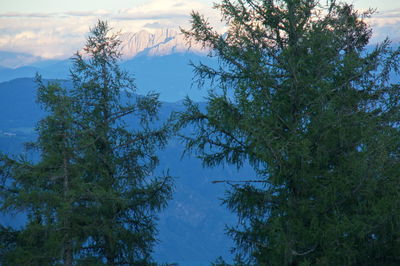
159 61
159 43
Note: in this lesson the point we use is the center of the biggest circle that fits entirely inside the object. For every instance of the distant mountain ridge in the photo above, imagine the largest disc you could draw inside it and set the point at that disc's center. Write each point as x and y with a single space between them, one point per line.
170 75
10 59
160 43
159 61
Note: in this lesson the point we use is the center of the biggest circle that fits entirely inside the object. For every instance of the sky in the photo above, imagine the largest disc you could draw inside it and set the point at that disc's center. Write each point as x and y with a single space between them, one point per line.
55 29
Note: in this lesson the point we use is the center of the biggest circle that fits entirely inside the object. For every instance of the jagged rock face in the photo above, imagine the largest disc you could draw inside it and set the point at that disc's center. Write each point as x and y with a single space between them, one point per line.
161 42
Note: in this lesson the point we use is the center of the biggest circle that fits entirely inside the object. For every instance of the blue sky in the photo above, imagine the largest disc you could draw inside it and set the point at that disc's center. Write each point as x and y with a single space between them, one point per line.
57 28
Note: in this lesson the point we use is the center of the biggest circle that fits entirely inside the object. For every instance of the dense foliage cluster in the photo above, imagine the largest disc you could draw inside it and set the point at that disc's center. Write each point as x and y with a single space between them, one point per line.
92 197
300 95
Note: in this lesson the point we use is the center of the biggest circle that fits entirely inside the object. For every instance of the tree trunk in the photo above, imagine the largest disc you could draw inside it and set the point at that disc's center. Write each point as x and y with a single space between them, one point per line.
67 246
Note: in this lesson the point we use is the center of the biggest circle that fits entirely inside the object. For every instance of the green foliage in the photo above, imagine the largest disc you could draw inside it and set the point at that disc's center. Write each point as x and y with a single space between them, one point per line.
92 197
303 100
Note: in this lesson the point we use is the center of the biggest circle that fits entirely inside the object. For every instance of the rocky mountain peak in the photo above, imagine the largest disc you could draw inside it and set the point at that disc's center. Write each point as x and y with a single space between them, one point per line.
157 43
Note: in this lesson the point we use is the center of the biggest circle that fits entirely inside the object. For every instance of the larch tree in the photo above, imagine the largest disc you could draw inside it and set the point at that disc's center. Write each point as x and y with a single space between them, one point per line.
94 194
300 96
41 189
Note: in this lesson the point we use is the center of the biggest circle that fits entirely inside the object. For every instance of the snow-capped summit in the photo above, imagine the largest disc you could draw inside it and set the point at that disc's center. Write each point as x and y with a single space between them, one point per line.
161 42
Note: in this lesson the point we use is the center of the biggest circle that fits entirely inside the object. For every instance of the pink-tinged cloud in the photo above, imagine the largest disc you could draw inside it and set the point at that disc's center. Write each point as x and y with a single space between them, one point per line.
59 35
385 24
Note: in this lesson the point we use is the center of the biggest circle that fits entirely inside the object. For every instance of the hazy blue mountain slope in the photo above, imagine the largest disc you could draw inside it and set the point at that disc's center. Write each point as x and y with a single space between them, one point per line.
17 103
52 69
15 59
7 74
18 107
170 75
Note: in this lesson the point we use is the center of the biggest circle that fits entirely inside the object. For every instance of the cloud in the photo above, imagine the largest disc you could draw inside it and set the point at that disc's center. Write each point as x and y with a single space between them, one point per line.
154 25
393 13
60 34
385 24
27 15
100 12
51 37
149 16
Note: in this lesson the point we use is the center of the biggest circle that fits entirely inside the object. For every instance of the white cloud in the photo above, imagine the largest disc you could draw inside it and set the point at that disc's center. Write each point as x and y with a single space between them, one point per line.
385 24
60 34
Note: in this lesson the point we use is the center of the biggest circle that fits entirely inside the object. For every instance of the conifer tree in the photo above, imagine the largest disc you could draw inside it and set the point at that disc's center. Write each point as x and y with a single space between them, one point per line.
299 96
93 196
120 201
42 189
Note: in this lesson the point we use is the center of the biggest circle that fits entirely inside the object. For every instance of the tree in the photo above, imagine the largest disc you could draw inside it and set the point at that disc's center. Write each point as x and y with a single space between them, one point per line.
300 96
93 196
42 189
